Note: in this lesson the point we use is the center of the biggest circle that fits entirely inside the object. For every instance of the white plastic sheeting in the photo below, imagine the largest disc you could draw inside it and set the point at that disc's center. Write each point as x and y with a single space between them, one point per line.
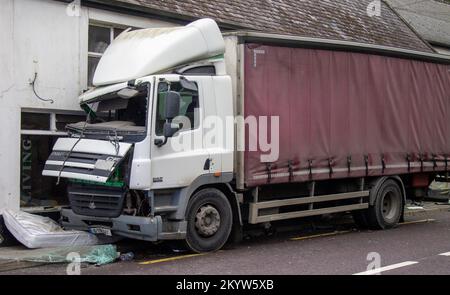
35 231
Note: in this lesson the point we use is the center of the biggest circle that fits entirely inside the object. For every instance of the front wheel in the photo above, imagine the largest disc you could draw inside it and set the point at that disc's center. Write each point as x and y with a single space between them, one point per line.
209 220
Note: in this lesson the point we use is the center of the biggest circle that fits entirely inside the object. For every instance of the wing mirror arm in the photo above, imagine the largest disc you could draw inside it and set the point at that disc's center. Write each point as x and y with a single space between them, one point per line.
159 142
169 131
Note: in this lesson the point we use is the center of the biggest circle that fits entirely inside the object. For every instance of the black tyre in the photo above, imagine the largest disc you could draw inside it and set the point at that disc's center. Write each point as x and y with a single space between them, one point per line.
388 207
209 219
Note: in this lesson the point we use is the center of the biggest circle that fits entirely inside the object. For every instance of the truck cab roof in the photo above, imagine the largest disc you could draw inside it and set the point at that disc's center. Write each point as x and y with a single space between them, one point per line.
139 53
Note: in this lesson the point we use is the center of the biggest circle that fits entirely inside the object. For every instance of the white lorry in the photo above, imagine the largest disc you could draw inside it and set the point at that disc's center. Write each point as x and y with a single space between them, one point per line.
163 153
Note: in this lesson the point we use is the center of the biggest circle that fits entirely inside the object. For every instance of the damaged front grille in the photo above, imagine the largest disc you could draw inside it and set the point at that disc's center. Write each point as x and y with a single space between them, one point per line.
96 201
86 166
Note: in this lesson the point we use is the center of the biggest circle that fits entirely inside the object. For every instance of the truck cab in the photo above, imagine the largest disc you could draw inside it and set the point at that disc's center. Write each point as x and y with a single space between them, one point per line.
152 142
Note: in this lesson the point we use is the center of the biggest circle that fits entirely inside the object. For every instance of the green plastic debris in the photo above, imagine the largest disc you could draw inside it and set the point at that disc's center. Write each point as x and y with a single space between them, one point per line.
99 255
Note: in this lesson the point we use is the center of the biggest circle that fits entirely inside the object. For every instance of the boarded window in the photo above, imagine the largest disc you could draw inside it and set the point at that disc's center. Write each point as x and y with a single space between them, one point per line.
39 133
35 189
35 121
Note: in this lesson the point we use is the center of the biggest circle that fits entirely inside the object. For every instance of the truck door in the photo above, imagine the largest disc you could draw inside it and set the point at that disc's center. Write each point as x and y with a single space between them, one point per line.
183 157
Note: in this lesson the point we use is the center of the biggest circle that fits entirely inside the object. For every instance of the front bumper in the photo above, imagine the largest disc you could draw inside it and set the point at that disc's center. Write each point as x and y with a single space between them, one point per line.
134 227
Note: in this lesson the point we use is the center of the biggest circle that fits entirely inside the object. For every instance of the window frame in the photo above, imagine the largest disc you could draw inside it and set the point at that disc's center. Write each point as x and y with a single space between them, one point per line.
53 130
195 126
111 28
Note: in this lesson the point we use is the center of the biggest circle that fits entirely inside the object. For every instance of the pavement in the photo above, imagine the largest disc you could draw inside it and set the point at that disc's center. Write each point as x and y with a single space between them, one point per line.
329 245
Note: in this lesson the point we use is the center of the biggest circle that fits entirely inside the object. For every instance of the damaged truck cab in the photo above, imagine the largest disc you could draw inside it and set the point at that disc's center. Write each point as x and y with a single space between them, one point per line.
127 175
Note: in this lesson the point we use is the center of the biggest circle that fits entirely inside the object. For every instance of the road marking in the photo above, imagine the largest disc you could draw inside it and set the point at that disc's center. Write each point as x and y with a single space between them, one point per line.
445 254
417 221
386 268
169 259
335 233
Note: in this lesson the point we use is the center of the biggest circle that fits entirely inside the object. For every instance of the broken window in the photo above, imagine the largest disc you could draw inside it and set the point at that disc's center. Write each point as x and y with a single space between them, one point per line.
112 116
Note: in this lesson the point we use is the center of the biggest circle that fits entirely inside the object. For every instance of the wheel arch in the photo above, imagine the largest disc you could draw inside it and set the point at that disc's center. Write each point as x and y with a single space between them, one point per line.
221 183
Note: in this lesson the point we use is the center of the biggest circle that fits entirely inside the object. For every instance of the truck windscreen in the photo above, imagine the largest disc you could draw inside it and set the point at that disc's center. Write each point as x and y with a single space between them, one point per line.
115 115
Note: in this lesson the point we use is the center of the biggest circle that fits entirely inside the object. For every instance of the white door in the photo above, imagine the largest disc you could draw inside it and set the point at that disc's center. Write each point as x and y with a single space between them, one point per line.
183 157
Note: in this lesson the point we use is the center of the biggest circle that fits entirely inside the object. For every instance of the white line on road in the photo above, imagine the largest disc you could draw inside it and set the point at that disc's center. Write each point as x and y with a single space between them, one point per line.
386 268
445 254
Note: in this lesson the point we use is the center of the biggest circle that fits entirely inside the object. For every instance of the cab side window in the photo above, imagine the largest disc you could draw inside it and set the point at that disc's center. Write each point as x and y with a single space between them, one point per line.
189 106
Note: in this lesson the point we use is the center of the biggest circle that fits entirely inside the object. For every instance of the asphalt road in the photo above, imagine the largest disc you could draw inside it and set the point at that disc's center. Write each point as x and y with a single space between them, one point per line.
414 247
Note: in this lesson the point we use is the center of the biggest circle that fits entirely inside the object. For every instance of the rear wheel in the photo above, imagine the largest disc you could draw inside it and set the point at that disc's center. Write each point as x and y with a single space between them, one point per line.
388 206
210 220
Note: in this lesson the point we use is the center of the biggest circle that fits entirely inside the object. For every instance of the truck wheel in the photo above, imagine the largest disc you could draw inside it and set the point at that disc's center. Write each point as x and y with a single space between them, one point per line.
209 219
388 207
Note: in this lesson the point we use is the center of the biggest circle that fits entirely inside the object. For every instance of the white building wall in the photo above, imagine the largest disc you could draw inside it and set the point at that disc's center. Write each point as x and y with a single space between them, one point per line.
42 36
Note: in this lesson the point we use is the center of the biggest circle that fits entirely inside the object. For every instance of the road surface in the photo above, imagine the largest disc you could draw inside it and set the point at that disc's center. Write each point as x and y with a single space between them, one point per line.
419 246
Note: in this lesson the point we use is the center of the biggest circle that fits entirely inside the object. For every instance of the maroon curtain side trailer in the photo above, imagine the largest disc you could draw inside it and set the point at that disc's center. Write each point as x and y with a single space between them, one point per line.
362 127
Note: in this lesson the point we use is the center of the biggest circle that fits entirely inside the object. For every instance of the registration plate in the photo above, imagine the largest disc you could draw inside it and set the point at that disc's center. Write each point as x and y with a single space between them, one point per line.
100 231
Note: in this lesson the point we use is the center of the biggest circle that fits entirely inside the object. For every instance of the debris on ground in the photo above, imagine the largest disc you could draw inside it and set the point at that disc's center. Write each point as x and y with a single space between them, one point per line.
414 207
127 256
98 255
36 231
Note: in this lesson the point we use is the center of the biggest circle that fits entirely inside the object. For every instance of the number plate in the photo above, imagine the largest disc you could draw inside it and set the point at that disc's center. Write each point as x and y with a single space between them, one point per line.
100 231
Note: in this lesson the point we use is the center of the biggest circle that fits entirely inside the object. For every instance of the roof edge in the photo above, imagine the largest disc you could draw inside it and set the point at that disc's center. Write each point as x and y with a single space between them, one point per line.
249 36
409 25
149 11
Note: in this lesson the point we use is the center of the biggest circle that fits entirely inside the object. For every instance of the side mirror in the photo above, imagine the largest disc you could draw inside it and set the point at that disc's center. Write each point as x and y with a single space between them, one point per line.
172 105
170 129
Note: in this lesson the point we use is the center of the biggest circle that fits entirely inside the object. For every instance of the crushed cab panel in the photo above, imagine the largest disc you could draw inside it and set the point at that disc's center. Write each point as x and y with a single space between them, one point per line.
85 159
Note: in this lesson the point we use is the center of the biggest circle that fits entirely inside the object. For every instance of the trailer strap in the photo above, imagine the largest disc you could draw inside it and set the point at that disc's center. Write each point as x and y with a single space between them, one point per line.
349 164
408 158
310 168
269 172
366 161
291 171
421 159
330 166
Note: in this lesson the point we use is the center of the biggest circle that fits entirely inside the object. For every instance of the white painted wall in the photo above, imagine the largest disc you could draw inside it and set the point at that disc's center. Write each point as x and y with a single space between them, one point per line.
39 35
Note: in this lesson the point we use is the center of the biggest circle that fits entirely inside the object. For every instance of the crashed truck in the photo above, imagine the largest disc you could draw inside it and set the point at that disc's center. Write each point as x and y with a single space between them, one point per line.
347 127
